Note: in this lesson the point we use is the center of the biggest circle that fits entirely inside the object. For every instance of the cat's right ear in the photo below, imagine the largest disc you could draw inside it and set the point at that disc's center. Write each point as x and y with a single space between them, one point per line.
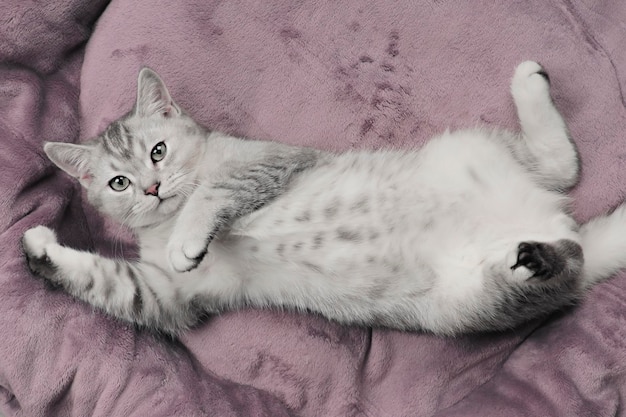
71 158
153 97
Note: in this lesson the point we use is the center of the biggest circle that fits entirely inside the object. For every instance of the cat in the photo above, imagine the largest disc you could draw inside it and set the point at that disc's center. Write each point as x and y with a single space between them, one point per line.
470 233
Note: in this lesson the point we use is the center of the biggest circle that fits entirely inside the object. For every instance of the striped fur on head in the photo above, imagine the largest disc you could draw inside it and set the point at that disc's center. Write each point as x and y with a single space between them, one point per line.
124 149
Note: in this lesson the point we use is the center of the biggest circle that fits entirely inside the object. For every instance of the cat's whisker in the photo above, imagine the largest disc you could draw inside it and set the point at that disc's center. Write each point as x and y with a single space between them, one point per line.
117 237
118 251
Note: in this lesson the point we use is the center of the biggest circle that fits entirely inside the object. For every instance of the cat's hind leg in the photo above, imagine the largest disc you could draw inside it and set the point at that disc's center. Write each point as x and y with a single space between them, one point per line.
600 253
604 246
536 279
545 148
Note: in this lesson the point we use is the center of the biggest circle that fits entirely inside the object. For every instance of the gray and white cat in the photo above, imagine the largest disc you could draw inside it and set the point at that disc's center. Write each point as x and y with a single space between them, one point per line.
470 233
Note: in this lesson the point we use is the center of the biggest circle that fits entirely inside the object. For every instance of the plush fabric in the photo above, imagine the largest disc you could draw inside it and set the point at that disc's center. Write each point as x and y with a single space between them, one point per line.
327 74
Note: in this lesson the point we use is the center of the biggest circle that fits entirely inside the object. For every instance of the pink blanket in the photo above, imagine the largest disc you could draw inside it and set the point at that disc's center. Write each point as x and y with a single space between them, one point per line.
327 74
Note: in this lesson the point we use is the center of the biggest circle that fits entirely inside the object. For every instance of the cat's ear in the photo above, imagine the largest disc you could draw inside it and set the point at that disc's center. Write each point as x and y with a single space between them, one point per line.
71 158
153 97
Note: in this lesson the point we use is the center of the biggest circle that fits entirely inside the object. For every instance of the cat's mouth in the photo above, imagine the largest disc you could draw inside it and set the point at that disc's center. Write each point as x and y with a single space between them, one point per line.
162 199
166 203
169 198
164 196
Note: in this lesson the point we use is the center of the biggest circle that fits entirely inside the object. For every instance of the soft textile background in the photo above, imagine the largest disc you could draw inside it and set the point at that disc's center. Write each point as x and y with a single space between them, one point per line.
327 74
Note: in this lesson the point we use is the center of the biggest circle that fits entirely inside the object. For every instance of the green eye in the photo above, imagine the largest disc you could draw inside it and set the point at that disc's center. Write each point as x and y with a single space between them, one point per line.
158 152
119 183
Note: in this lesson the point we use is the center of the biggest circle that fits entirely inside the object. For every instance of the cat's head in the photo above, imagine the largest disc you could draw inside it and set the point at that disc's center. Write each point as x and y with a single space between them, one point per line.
140 170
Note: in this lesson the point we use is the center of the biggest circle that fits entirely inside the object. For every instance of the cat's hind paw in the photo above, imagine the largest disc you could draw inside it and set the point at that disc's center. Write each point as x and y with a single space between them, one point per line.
36 242
541 259
529 82
186 255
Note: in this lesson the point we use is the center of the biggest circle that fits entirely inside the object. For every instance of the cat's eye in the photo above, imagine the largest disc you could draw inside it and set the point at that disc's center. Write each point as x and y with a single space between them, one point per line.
119 183
158 152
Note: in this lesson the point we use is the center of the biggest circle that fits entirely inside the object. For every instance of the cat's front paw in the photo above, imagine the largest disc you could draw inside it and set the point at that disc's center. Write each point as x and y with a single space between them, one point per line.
186 254
36 242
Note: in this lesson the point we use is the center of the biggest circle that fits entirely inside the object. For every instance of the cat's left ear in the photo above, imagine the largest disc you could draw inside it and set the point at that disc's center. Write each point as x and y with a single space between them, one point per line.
71 158
153 97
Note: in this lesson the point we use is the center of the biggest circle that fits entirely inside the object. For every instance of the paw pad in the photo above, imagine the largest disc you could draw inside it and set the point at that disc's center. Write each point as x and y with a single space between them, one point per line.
540 258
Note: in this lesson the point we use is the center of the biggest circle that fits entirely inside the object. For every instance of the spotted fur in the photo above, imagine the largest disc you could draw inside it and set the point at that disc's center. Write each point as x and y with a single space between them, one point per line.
469 233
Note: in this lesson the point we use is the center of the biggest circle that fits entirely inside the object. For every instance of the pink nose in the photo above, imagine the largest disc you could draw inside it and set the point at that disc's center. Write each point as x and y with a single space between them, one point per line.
153 189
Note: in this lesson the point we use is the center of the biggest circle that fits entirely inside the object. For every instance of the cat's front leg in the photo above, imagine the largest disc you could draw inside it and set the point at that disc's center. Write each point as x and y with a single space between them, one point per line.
137 292
239 191
204 215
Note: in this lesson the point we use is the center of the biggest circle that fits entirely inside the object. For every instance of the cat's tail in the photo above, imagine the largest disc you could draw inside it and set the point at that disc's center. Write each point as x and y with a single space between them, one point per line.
604 246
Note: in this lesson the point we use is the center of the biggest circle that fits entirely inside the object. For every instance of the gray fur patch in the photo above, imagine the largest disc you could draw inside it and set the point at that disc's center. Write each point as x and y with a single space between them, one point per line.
428 224
304 217
347 234
251 186
331 211
515 303
138 297
108 288
361 205
318 240
142 146
474 175
90 284
312 267
116 141
378 289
